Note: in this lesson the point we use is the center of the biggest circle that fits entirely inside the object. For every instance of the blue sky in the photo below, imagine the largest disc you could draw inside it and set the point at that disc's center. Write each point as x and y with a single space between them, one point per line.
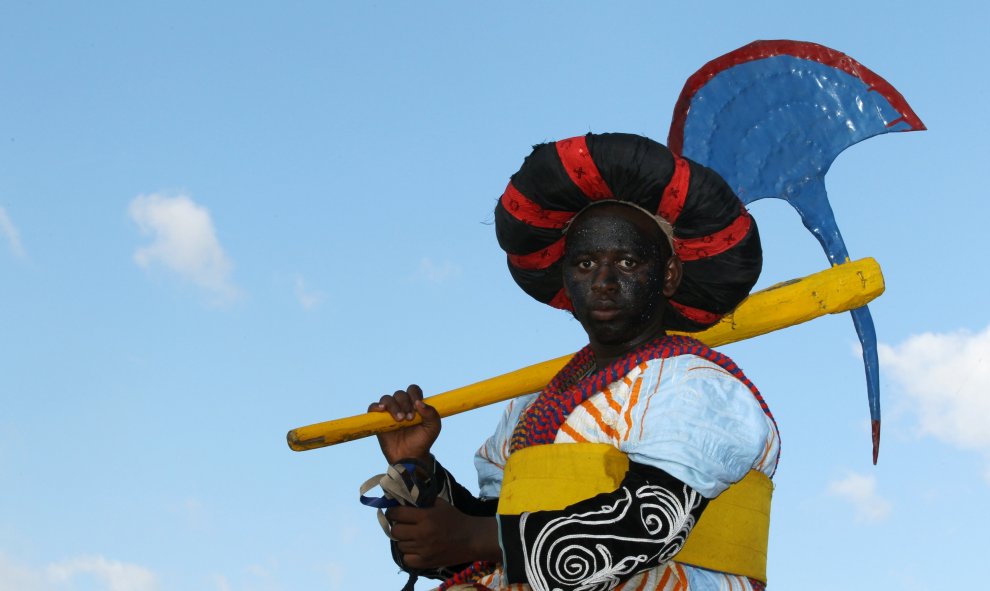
222 221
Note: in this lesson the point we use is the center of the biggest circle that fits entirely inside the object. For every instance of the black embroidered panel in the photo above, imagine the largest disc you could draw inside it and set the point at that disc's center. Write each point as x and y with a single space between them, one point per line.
596 544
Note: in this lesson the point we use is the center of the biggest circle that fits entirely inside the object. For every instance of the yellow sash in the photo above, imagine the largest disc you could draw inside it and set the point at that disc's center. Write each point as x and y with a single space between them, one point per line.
731 535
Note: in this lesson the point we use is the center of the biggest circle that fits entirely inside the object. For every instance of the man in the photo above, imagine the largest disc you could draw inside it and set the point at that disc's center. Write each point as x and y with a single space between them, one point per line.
679 420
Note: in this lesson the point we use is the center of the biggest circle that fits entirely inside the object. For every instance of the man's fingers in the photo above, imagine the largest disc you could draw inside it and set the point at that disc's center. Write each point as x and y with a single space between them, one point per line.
431 418
406 405
402 533
389 405
403 515
402 404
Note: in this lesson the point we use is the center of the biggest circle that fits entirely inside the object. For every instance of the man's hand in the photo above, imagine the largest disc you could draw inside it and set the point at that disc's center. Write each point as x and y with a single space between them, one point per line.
414 441
442 536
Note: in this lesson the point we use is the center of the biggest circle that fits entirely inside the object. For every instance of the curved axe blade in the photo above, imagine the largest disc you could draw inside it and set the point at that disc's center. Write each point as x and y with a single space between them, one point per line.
771 117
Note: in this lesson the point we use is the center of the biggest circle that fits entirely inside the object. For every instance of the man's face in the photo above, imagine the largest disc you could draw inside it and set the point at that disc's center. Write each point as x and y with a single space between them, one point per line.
616 276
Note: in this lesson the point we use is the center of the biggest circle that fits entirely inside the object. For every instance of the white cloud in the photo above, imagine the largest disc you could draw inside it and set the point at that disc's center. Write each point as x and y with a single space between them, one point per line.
9 231
437 272
861 492
334 572
192 513
258 571
945 381
308 298
183 240
117 576
222 584
17 577
76 573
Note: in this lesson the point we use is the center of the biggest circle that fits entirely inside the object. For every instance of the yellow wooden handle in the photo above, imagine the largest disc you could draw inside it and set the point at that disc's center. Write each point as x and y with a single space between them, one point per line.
839 289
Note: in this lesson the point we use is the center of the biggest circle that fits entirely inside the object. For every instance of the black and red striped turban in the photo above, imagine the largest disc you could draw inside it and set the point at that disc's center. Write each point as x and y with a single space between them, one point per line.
714 236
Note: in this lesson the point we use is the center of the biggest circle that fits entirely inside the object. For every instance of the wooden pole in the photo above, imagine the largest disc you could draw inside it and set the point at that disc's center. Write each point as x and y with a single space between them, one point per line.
839 289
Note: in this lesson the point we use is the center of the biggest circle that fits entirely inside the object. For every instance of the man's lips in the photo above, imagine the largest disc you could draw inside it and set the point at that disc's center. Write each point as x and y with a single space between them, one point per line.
604 311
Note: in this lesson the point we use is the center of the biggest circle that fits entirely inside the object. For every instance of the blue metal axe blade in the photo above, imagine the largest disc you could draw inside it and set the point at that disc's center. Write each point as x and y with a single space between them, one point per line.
771 117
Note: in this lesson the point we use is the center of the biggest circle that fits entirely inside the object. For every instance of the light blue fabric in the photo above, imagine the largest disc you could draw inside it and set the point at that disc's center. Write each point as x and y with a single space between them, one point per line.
704 427
700 579
490 473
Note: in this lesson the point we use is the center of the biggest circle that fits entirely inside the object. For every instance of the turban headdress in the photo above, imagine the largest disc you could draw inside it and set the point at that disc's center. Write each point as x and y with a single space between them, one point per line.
714 236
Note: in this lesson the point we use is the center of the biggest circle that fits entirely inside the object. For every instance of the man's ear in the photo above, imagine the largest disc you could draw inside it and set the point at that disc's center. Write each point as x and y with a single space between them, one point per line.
672 276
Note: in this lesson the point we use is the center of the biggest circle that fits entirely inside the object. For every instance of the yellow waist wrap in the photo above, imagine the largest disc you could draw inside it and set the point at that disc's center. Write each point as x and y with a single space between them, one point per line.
731 535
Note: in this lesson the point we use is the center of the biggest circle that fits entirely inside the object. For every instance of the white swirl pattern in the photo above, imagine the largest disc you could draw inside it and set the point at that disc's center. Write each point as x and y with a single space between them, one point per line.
580 558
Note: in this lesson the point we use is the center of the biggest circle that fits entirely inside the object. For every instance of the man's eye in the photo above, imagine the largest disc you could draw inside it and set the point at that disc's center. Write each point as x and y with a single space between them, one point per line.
584 265
627 263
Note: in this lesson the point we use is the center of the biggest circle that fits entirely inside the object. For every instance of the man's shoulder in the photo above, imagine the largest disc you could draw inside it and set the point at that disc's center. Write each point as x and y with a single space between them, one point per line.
692 365
690 374
712 375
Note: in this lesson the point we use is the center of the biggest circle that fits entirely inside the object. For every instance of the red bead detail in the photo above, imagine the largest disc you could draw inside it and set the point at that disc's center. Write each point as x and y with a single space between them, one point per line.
696 314
472 573
561 301
523 209
576 158
692 249
540 259
876 440
674 196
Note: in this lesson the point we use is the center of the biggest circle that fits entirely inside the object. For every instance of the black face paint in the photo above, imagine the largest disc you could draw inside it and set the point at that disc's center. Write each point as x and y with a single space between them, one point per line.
614 274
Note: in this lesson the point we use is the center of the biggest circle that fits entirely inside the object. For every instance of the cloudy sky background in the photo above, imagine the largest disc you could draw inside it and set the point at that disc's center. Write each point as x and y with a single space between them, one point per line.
219 223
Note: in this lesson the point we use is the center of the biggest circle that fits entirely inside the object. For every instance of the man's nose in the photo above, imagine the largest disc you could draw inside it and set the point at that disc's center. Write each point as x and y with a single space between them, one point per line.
604 279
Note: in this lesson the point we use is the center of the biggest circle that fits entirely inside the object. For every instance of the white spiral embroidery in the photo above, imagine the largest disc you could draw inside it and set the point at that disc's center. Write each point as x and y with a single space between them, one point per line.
582 561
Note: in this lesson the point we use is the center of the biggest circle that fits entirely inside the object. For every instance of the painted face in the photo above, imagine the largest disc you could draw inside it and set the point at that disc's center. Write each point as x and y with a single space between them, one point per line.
617 277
